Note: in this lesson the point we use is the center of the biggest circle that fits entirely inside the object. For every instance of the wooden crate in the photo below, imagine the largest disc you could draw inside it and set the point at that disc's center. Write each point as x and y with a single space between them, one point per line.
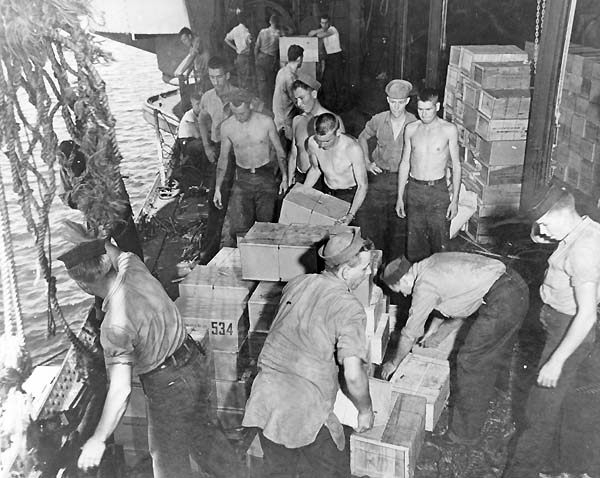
497 153
381 401
227 257
379 341
259 251
426 377
494 175
505 104
256 340
216 282
491 195
227 322
471 54
310 45
263 305
471 93
469 120
502 75
374 310
443 350
304 205
230 364
501 129
391 450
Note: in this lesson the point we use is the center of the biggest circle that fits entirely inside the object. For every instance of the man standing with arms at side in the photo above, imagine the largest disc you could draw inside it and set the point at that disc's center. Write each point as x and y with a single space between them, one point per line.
459 284
239 40
305 90
212 114
570 293
332 73
381 220
428 144
142 332
340 159
283 97
251 136
319 325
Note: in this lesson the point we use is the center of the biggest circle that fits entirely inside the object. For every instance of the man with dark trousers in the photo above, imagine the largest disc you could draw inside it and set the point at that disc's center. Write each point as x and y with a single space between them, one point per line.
319 326
212 114
457 285
385 229
570 293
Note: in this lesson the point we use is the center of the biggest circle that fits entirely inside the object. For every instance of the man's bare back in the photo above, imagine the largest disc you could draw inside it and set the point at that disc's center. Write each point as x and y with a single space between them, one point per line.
250 139
429 148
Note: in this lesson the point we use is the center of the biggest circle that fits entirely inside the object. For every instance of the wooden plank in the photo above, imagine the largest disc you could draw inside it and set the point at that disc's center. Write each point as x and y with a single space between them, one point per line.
426 377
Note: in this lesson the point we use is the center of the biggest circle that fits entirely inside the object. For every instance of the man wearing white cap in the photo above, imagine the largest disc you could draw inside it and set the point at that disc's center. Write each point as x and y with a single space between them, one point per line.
305 90
319 325
381 221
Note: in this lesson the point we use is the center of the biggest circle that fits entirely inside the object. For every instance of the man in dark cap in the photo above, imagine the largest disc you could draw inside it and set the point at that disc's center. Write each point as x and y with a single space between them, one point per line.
570 293
458 285
319 325
250 135
385 229
428 145
143 332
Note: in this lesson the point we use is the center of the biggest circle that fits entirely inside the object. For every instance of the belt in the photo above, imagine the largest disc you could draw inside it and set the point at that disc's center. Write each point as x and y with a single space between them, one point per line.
387 171
264 168
429 182
180 357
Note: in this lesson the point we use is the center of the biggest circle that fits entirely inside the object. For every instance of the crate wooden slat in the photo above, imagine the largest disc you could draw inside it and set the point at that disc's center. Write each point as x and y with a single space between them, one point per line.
494 175
426 377
505 104
501 129
469 119
391 450
379 341
471 93
502 75
263 304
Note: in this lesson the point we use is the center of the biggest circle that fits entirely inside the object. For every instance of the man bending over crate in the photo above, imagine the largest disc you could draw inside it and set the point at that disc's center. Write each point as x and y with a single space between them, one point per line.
459 284
142 332
251 135
319 325
339 158
428 144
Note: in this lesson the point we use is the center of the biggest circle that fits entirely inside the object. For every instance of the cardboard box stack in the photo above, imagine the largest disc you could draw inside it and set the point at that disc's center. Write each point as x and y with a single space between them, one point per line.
576 159
214 298
488 97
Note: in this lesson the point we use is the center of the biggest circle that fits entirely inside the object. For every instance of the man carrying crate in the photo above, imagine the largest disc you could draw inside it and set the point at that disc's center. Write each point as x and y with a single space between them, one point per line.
459 284
319 325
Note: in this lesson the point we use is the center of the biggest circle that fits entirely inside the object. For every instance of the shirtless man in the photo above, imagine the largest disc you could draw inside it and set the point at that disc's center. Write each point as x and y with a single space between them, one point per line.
428 144
340 159
250 134
305 91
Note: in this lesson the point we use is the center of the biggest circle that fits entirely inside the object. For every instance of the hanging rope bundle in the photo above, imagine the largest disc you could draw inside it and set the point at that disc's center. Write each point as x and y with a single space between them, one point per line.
47 67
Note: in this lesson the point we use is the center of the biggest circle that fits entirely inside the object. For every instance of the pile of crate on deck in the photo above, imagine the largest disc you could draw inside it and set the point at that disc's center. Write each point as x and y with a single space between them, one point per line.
576 159
487 96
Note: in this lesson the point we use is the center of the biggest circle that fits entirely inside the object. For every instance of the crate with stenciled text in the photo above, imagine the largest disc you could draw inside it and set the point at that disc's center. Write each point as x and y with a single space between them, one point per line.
391 450
426 377
505 104
474 54
502 75
227 322
263 305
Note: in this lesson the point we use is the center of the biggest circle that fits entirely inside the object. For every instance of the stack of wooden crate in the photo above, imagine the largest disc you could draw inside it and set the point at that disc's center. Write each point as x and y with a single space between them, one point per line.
215 298
487 97
576 159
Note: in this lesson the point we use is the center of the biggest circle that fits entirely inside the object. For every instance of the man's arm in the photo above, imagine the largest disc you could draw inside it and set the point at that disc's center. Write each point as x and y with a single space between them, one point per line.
115 405
257 45
204 121
292 157
229 42
276 142
403 171
456 172
362 184
405 345
320 33
222 166
314 172
357 383
363 138
582 323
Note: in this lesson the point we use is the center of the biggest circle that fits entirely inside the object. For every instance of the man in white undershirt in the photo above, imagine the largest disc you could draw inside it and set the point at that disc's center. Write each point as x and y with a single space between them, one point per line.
384 226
